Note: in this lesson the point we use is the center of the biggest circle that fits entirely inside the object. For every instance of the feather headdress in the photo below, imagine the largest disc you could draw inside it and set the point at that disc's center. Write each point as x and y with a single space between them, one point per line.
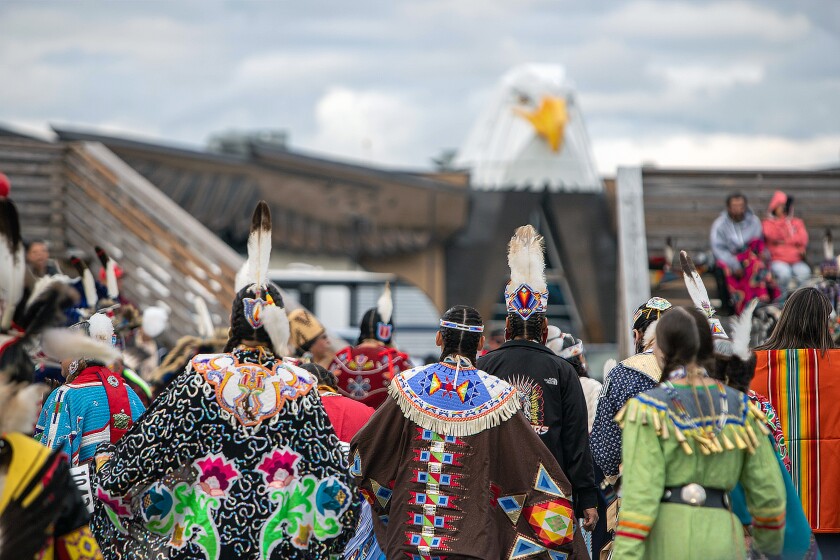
259 247
699 295
828 245
110 273
155 320
88 283
259 311
527 292
64 344
101 328
385 304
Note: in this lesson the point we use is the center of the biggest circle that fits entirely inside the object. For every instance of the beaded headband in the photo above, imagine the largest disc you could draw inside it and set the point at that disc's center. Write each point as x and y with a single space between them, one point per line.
462 327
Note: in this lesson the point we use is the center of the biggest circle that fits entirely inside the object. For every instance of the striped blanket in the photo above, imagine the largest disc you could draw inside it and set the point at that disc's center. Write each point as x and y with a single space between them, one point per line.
804 388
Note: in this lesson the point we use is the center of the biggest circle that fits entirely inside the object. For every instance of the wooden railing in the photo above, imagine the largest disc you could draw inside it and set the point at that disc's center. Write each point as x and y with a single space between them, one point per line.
167 255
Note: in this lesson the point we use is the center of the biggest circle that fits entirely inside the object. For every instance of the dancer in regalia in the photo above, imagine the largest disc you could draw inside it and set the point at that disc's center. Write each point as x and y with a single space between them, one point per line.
42 514
686 444
236 459
365 370
453 470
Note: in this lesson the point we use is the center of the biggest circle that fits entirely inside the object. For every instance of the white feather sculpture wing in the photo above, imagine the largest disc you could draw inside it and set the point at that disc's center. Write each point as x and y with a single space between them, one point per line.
526 259
385 304
741 331
259 245
12 275
695 286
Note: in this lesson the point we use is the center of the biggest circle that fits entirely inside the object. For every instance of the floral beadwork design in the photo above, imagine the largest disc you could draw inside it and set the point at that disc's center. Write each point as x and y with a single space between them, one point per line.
279 468
216 475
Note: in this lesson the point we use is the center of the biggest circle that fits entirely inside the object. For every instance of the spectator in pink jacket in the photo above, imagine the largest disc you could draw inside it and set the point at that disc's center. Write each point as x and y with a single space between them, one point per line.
787 240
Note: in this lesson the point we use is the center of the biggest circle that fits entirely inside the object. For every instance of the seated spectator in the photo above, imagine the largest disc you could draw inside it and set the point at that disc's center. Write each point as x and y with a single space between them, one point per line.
787 241
738 248
38 262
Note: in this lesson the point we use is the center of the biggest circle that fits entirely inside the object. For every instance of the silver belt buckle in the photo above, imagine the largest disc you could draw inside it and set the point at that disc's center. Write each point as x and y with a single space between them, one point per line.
693 494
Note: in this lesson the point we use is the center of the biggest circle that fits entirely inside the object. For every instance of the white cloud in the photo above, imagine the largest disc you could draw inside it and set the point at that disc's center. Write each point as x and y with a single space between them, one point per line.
698 78
366 125
717 150
703 20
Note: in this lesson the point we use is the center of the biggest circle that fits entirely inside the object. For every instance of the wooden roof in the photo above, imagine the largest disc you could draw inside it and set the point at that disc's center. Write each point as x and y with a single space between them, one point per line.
319 205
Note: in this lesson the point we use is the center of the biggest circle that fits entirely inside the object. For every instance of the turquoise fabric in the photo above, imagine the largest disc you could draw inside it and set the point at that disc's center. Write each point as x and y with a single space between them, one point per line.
797 530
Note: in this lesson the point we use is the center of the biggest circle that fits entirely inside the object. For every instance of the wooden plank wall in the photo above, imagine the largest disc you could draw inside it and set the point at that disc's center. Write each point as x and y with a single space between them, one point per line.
34 170
683 204
81 195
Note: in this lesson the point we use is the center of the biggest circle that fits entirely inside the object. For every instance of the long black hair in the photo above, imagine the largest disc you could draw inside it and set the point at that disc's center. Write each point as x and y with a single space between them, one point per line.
678 337
457 341
240 329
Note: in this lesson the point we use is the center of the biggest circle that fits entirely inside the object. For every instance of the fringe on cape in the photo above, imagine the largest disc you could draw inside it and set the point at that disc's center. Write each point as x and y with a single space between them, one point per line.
735 434
456 427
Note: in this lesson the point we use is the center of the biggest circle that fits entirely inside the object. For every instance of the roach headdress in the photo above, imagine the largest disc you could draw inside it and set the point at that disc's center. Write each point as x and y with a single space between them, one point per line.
377 322
527 292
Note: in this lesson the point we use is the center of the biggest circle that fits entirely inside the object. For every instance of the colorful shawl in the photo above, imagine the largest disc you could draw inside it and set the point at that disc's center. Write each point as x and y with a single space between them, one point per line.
804 387
755 283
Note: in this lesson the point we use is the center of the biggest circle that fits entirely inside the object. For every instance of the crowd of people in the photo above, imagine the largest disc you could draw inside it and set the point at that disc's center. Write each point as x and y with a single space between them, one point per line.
265 442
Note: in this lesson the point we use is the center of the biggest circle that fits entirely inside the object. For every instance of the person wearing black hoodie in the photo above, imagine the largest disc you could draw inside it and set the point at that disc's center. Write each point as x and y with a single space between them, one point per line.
548 386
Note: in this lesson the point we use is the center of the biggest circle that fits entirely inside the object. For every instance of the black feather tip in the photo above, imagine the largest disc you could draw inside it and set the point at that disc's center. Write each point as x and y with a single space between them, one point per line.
261 220
687 264
103 256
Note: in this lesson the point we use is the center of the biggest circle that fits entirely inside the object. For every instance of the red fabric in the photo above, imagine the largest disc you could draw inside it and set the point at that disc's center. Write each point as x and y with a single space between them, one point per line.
786 238
755 283
364 372
346 415
117 396
5 186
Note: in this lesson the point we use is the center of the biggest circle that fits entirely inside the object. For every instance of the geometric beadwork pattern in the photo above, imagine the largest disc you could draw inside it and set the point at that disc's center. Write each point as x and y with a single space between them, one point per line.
526 548
512 506
544 483
424 524
552 521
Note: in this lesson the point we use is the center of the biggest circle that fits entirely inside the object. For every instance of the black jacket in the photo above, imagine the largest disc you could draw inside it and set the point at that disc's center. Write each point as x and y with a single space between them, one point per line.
553 401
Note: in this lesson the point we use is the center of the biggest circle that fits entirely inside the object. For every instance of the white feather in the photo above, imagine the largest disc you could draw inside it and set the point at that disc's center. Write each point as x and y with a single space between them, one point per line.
242 278
12 275
828 246
62 344
155 320
111 279
259 245
741 332
385 304
101 328
276 324
89 287
43 284
526 259
650 335
695 286
204 322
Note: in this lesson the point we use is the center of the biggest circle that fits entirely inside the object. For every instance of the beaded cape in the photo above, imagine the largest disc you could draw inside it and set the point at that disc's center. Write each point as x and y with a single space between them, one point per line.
235 459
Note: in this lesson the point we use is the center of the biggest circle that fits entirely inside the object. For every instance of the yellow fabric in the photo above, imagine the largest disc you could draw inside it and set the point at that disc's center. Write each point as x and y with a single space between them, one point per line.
652 463
549 120
646 363
27 457
80 545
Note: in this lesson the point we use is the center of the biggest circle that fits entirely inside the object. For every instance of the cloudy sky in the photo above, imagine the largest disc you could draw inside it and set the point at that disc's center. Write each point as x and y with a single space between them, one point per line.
749 83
